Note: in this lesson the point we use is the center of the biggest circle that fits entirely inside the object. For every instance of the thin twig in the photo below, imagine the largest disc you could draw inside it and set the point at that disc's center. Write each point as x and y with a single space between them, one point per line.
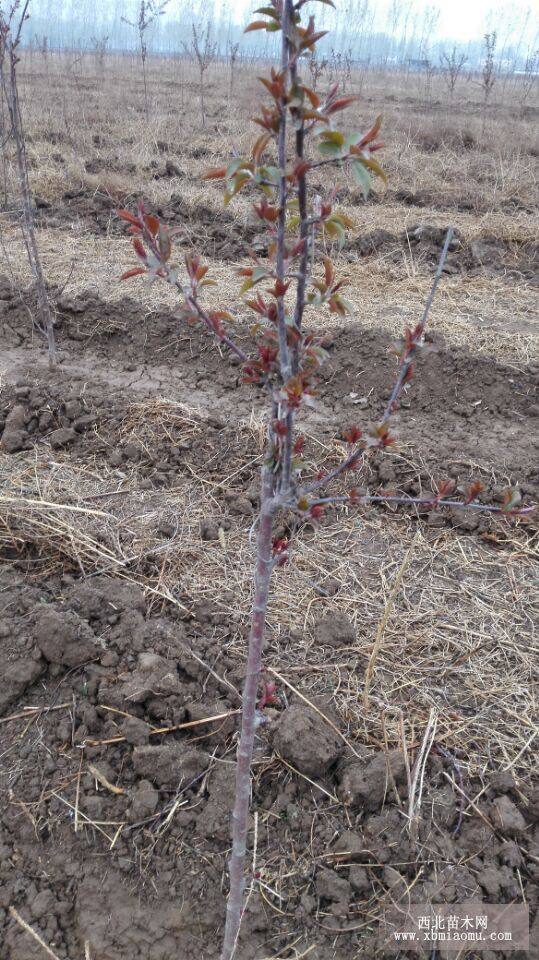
26 926
163 730
418 772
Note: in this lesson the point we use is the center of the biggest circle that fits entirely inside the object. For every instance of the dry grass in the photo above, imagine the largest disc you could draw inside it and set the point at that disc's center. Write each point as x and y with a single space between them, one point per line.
87 132
459 636
453 641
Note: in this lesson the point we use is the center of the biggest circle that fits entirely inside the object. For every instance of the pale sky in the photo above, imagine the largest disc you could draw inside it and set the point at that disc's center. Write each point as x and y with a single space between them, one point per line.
461 20
468 19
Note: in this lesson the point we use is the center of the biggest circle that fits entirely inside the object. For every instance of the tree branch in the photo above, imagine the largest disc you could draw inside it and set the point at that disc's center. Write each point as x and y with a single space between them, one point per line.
430 503
284 356
408 360
357 456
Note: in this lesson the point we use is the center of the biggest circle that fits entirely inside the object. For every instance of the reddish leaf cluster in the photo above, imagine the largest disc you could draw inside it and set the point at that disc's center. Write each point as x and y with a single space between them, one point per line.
269 696
352 435
280 548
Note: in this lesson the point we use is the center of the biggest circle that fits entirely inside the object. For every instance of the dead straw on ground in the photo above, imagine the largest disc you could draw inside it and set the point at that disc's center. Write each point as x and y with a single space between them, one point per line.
457 636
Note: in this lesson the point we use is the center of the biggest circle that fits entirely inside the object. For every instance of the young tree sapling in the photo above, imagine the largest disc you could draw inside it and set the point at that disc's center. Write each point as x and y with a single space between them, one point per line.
11 25
148 11
297 137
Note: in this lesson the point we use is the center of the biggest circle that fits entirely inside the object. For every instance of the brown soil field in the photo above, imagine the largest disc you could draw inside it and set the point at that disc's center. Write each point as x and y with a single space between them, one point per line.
128 492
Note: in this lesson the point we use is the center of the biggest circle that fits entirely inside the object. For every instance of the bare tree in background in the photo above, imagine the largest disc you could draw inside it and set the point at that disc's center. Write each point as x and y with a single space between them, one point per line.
340 66
99 46
488 76
149 10
452 66
430 70
43 44
233 50
317 67
204 49
531 73
11 25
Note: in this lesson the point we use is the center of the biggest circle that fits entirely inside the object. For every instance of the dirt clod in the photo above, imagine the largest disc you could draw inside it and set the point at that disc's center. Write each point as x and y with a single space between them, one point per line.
331 886
62 437
507 817
359 879
335 630
364 786
64 638
169 765
14 437
135 731
15 679
306 740
143 801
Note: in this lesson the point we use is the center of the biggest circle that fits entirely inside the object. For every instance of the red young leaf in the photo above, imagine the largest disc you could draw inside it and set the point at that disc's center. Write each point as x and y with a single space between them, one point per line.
215 173
473 491
280 428
139 249
372 133
445 487
352 435
256 25
134 272
125 215
259 146
341 104
152 223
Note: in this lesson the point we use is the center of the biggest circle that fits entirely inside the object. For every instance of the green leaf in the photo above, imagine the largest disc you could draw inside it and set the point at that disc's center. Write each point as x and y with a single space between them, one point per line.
361 176
512 498
335 230
268 12
329 149
271 173
333 136
233 167
351 140
246 286
237 183
320 354
375 167
342 218
258 274
347 305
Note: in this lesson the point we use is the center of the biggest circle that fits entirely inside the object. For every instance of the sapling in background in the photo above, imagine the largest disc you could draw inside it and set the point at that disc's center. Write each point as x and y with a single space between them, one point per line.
205 50
297 136
11 25
233 51
148 11
452 66
488 73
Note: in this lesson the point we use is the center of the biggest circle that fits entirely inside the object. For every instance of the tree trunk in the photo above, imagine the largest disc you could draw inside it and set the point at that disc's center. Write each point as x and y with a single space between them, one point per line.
240 815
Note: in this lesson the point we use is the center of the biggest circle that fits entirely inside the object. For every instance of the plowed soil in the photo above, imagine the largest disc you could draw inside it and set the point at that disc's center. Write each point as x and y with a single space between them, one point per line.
129 488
